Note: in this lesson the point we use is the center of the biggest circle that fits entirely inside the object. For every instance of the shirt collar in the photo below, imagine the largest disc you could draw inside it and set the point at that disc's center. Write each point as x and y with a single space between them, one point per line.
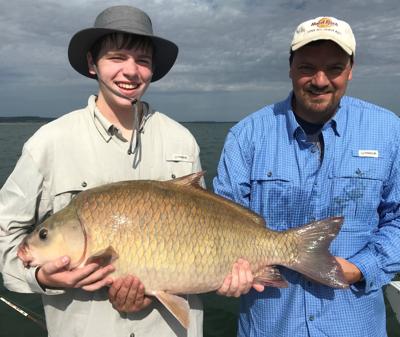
291 121
101 123
339 120
106 129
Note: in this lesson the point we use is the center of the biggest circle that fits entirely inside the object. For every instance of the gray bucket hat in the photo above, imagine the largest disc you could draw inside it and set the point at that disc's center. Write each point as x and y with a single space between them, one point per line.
121 19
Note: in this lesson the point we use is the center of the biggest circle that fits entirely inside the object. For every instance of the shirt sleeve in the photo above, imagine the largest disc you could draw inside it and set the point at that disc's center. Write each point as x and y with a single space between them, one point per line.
234 170
19 199
379 261
197 164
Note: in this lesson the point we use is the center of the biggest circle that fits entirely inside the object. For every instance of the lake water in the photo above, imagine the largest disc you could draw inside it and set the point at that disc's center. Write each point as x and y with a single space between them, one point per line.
220 312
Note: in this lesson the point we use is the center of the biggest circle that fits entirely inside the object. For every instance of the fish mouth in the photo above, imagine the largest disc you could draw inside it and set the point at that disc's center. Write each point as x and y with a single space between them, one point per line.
24 255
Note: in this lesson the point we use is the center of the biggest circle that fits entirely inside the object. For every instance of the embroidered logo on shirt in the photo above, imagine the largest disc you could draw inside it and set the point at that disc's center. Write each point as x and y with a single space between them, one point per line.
183 157
368 153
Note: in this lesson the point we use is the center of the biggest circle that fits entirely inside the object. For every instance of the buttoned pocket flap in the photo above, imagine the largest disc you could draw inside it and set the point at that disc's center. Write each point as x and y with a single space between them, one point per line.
271 175
70 187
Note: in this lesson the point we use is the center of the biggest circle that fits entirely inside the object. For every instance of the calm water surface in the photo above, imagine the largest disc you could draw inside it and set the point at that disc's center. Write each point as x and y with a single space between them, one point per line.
220 313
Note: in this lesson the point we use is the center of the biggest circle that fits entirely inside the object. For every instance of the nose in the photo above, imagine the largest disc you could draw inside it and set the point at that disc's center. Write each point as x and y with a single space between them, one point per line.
320 79
130 68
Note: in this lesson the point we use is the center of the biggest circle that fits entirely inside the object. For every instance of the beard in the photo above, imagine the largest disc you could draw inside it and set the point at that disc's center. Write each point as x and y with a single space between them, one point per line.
317 107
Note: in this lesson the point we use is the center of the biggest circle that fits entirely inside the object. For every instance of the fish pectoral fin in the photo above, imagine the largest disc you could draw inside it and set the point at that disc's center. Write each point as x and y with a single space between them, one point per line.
177 306
270 276
103 257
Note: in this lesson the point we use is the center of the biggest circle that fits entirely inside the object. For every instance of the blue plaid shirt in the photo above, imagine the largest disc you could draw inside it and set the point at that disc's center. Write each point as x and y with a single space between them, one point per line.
268 165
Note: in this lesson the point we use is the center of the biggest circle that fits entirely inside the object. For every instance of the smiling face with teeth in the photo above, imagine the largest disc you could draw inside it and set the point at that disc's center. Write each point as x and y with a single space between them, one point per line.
320 72
127 70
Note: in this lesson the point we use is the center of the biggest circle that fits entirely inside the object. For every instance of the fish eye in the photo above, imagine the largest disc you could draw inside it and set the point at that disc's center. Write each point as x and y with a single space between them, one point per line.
43 234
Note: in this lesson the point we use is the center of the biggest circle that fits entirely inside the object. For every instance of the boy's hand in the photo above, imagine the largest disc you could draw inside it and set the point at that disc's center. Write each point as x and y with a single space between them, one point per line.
127 294
55 274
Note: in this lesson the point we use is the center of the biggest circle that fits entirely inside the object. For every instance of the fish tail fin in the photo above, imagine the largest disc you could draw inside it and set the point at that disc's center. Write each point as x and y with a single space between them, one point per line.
314 259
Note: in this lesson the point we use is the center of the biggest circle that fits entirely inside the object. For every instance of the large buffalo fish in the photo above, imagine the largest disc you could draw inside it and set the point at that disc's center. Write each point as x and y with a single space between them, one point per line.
179 239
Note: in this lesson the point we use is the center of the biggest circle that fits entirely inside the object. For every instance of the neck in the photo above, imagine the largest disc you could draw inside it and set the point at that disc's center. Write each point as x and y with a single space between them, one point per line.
121 117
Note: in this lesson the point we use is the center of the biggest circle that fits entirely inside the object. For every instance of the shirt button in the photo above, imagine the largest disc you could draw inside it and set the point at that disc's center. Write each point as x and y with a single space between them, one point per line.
132 335
173 176
269 174
84 184
311 318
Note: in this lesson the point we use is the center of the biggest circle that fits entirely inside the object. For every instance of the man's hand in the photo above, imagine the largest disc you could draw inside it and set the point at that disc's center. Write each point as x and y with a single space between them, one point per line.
127 294
239 281
55 274
351 273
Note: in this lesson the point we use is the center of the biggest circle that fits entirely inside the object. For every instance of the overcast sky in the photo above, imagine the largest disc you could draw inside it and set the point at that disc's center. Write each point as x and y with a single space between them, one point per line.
233 56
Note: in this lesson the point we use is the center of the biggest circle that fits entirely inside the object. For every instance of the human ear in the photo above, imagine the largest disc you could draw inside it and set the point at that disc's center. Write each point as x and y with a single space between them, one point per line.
350 74
90 63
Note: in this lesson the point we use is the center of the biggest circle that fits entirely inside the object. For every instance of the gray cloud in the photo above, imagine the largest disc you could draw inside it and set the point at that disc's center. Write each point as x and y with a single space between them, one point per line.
233 53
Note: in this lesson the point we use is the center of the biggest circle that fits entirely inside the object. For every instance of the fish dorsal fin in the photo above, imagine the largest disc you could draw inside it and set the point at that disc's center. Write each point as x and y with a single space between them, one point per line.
103 257
177 306
189 180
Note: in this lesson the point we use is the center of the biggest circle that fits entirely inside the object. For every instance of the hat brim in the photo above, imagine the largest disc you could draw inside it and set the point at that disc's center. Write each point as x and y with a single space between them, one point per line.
304 42
164 56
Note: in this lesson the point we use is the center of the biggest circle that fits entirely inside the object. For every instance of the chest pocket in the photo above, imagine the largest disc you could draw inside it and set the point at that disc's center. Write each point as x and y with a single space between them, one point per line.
356 188
271 196
179 164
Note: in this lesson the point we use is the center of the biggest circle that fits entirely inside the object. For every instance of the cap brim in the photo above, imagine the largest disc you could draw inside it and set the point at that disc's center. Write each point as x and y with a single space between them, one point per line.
165 51
304 42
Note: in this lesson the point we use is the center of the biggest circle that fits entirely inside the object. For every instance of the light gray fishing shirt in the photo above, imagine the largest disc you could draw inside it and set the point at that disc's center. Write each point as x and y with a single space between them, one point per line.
78 151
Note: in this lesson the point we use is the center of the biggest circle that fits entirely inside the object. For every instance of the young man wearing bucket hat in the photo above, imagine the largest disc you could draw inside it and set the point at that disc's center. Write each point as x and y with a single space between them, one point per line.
317 154
115 137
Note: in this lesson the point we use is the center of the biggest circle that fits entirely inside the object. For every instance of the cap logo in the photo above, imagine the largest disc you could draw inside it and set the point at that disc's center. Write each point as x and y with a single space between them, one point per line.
324 23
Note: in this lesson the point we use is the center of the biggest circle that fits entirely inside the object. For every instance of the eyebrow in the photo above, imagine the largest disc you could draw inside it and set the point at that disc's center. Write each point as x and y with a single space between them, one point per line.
334 63
121 52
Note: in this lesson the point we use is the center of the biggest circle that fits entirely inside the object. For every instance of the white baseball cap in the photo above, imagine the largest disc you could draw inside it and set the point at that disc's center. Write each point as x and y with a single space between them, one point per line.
325 28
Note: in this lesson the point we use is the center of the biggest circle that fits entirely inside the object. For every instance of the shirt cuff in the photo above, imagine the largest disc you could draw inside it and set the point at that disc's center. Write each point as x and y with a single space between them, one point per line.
366 262
35 286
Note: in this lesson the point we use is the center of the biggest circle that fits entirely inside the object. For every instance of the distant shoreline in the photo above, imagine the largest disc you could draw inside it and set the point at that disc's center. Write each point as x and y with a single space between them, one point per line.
26 119
34 119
